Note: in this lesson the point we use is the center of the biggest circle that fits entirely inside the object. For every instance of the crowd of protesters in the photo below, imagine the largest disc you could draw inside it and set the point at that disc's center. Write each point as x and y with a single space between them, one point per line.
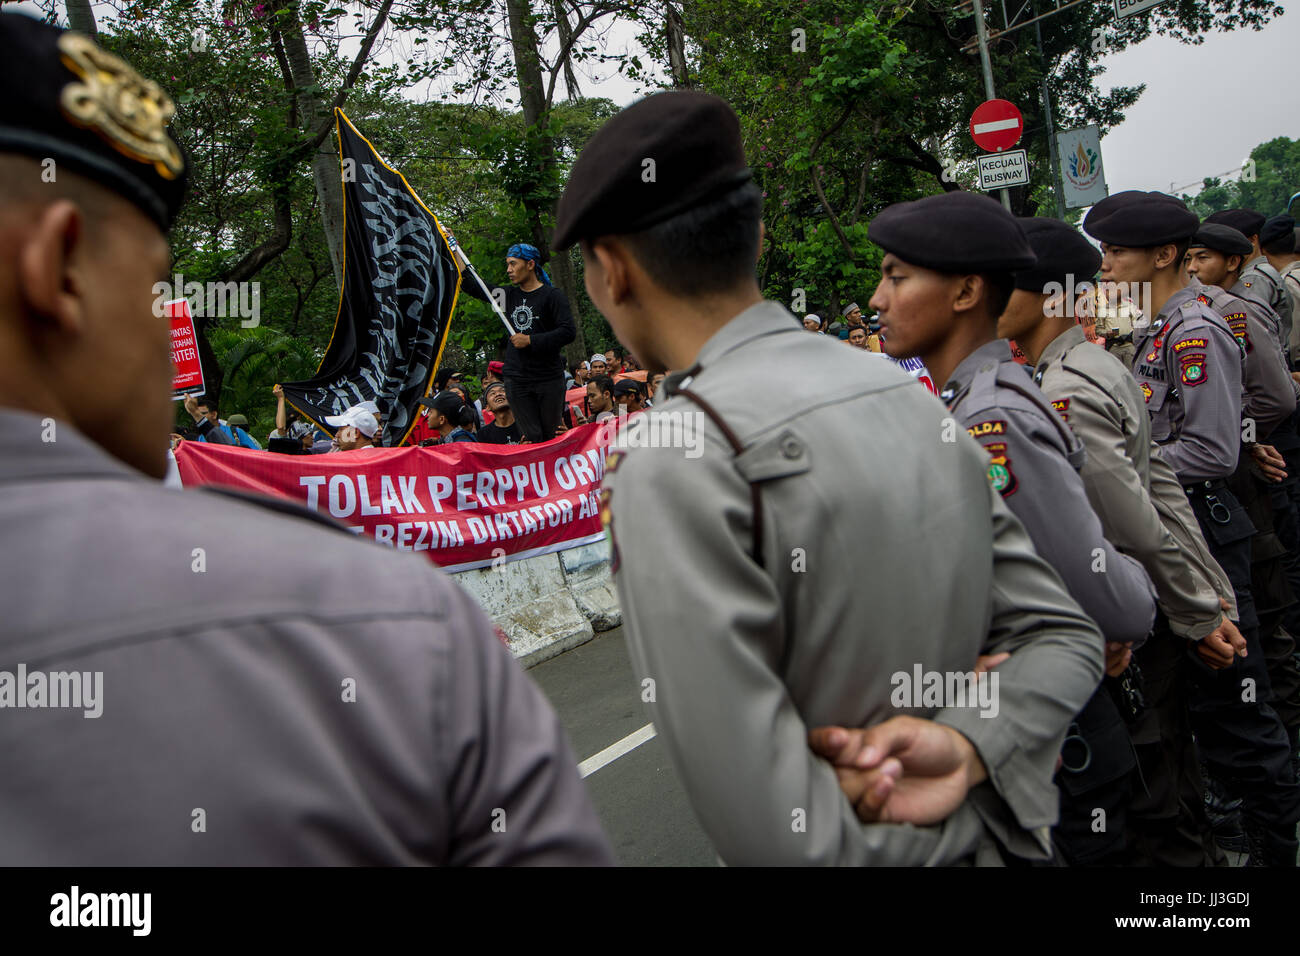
595 390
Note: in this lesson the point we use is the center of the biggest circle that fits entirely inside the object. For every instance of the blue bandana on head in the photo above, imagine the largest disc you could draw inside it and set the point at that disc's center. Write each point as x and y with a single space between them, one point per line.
522 250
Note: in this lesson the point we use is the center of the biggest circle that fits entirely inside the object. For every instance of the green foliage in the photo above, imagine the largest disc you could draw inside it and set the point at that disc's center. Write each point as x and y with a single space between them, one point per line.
253 360
1266 187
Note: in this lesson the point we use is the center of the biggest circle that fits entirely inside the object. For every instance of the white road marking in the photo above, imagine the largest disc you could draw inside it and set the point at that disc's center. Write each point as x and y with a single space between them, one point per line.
994 125
616 750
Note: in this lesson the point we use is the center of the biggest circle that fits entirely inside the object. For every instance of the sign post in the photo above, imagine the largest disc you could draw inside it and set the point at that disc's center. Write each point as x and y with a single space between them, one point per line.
996 126
1000 170
185 351
1129 8
1082 177
982 34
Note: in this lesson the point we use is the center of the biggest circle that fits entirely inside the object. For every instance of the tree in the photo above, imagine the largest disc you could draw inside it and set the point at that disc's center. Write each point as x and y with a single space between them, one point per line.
1270 177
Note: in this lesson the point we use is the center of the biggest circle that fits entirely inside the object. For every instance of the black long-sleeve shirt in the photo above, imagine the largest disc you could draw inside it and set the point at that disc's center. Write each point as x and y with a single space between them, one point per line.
543 315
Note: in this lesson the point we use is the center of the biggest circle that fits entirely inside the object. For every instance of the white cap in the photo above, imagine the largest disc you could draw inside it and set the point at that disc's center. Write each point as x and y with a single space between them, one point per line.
370 407
362 421
598 357
816 318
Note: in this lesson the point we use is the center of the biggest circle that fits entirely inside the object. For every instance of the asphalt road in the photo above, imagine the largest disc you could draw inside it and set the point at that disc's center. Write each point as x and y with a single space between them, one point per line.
637 795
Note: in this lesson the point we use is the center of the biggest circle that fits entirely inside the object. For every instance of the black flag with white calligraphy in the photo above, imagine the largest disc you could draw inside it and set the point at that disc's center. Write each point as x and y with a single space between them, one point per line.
400 283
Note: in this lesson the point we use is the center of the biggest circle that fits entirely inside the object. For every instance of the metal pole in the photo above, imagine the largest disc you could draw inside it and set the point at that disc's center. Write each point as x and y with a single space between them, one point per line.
1055 160
982 33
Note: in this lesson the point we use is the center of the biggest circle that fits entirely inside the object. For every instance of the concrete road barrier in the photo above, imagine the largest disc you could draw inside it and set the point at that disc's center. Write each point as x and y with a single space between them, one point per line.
548 603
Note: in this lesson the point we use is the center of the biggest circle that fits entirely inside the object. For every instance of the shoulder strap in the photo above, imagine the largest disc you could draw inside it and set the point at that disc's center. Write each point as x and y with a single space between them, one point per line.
1031 394
737 447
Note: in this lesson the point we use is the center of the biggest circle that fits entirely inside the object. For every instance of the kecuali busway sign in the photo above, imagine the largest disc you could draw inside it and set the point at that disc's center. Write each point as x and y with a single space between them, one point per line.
1000 170
1129 8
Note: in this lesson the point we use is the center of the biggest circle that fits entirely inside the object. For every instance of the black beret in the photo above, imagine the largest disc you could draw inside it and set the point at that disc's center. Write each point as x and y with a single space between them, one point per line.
953 232
88 110
1276 228
1246 221
627 386
1221 238
1140 219
1061 252
694 141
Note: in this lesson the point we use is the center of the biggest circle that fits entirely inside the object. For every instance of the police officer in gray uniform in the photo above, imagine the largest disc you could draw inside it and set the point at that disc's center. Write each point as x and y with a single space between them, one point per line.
352 706
1097 397
747 637
1257 273
1189 369
1033 463
1269 410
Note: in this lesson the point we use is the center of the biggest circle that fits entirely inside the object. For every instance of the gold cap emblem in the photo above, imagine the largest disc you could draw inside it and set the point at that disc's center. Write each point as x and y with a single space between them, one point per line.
130 112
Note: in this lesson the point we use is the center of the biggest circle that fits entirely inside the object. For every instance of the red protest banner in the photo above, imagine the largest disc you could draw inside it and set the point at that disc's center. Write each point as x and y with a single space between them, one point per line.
185 350
465 504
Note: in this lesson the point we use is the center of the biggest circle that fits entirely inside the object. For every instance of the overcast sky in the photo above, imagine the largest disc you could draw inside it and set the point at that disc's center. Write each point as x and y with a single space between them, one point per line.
1205 108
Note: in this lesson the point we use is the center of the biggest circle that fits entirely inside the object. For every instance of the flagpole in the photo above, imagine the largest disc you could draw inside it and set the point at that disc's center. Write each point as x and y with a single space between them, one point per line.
460 254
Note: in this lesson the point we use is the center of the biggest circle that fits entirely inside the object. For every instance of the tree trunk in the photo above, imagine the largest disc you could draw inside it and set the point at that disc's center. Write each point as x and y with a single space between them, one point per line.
566 32
324 161
677 48
528 71
81 17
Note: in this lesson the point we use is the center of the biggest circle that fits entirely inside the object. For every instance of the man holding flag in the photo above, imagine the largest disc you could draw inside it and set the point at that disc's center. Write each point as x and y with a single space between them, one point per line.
542 325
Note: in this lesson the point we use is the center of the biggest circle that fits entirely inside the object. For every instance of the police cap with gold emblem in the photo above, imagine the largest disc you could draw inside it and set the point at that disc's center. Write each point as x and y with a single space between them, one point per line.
89 111
1061 252
1221 238
955 232
1140 219
659 157
1246 221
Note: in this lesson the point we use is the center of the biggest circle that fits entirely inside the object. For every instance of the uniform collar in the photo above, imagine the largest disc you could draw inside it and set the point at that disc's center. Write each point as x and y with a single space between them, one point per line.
995 353
1057 348
25 455
1176 302
761 318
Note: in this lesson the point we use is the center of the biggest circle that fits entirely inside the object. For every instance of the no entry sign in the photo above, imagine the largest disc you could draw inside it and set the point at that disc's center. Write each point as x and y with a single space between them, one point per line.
996 125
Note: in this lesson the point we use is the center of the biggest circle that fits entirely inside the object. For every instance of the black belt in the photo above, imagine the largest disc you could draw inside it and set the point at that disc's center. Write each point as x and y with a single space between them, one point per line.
1205 487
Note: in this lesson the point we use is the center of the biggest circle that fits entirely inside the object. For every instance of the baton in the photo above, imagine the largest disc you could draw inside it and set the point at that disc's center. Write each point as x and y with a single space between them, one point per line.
460 254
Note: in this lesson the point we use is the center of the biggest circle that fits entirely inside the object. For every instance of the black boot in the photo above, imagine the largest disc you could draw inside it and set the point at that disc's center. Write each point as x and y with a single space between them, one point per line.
1224 814
1269 847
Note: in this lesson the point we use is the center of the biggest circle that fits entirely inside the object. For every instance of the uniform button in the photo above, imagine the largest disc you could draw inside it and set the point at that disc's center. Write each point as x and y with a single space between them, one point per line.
791 447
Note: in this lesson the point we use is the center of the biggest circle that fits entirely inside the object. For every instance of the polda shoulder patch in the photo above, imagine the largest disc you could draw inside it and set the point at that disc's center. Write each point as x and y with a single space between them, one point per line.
994 426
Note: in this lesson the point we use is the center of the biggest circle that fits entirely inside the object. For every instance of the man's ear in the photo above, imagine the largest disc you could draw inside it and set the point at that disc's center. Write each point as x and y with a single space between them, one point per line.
1165 255
51 282
615 269
968 291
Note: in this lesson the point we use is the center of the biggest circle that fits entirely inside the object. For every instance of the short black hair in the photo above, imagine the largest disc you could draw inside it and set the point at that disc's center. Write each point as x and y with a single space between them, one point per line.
209 403
1000 285
603 383
1283 245
708 249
